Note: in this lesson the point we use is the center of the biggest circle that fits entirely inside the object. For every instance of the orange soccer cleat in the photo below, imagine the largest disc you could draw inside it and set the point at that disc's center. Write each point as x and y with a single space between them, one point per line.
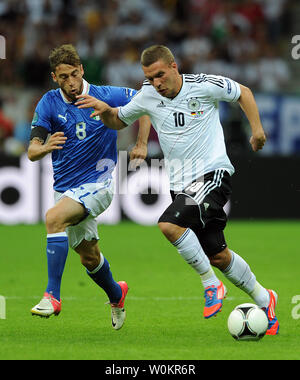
214 300
273 327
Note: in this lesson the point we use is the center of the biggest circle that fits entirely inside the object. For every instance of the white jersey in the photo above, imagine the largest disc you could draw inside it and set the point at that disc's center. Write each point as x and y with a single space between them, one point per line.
188 126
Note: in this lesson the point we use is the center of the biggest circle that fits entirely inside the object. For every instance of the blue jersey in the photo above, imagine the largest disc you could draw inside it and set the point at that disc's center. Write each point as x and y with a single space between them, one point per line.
90 152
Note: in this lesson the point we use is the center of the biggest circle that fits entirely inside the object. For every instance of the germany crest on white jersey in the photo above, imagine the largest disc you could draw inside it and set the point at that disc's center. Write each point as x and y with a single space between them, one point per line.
188 126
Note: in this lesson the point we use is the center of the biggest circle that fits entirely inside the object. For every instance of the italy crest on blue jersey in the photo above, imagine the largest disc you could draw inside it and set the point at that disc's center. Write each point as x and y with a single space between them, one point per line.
90 152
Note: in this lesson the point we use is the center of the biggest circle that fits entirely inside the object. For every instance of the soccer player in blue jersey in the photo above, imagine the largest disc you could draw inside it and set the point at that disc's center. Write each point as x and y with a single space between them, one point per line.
84 154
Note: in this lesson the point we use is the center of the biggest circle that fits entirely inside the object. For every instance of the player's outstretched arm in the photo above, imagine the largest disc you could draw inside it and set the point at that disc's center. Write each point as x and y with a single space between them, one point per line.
249 106
37 149
139 151
107 114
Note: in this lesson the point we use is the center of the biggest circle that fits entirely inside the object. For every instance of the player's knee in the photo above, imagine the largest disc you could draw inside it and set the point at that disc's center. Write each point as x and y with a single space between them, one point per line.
54 221
167 229
171 231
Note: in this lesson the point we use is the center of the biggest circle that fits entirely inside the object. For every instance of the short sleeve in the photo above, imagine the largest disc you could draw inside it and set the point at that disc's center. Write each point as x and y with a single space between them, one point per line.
117 96
42 114
221 88
133 110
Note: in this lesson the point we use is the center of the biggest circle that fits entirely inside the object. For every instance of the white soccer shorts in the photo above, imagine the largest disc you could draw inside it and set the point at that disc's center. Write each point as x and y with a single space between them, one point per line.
96 198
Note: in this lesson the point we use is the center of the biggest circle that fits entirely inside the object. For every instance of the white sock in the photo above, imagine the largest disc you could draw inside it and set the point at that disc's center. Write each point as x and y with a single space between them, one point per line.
240 274
191 251
209 278
260 295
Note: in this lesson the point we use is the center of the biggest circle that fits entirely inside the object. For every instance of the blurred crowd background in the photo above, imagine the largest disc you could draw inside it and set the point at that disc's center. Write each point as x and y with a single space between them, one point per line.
246 40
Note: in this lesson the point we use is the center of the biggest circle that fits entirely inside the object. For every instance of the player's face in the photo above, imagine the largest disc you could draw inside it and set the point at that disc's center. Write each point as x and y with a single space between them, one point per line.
69 79
164 77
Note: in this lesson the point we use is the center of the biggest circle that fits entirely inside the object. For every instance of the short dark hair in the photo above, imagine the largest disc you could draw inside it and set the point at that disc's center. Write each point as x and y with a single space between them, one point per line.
155 53
66 54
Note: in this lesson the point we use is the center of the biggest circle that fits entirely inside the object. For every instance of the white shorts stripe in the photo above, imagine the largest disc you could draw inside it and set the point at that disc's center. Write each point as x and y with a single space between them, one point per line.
217 181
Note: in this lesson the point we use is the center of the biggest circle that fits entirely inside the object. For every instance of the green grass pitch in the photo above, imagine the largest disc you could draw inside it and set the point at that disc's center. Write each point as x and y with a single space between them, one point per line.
164 304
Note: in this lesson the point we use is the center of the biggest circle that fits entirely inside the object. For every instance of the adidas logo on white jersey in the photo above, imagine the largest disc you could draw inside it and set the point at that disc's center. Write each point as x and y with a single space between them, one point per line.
161 104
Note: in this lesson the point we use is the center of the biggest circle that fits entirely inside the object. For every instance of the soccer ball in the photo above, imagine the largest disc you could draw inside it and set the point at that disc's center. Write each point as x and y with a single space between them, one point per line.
247 322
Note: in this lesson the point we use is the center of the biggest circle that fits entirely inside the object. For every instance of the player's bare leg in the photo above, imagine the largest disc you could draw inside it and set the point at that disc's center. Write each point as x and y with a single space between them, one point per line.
221 260
89 253
64 214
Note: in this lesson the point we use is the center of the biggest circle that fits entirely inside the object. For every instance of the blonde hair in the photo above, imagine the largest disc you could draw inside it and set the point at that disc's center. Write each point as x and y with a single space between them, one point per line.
156 52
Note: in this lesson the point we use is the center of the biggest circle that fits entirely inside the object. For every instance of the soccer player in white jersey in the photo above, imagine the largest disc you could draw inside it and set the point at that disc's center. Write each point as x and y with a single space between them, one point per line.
184 112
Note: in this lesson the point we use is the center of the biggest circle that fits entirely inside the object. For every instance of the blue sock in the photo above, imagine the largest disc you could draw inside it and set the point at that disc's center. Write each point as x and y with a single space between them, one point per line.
103 277
57 252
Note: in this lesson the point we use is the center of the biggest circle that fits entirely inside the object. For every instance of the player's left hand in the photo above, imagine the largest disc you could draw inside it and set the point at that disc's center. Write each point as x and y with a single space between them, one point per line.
258 141
88 101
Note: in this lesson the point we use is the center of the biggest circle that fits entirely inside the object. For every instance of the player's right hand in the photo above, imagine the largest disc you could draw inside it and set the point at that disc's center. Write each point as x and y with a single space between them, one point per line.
88 101
257 142
138 154
55 142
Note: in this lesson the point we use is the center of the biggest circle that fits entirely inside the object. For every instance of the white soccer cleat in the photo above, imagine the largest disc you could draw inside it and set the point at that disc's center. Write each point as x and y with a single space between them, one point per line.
47 306
118 316
118 313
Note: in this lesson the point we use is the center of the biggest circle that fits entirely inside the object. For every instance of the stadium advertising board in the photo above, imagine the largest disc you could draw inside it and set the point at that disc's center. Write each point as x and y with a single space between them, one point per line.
281 121
262 188
26 192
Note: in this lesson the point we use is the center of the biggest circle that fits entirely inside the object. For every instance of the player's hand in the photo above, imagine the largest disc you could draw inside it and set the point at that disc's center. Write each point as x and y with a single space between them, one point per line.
137 155
55 142
88 101
258 141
